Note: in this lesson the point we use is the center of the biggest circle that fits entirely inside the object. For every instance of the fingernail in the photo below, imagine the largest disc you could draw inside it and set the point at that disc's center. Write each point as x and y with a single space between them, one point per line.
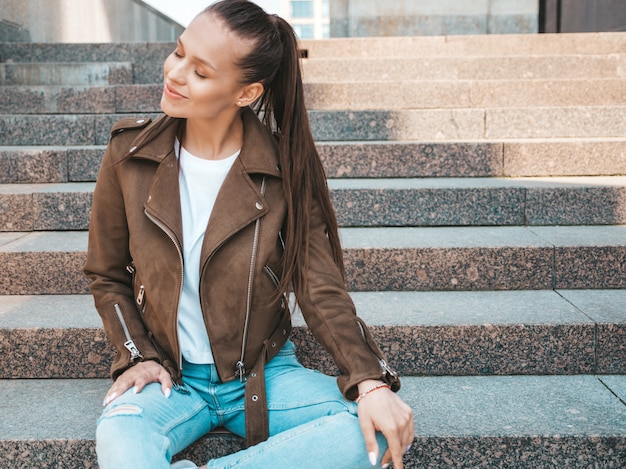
167 393
135 389
386 465
408 448
107 400
372 456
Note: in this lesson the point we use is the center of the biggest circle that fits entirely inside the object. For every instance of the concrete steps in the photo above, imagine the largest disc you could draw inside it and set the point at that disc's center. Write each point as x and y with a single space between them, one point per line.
65 74
378 259
423 125
342 96
507 421
378 202
441 68
384 159
425 333
480 185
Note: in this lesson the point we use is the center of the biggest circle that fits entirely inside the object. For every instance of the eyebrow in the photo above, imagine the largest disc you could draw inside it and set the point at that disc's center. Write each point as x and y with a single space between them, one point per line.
195 57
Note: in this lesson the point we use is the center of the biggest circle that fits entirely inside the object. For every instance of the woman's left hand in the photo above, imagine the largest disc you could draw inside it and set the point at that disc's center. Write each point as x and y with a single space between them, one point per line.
383 410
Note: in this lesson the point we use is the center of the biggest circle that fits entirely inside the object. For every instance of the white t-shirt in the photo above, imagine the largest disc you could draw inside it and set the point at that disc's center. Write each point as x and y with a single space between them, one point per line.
199 183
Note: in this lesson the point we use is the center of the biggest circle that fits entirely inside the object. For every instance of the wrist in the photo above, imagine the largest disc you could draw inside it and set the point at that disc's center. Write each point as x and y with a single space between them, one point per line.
376 386
368 384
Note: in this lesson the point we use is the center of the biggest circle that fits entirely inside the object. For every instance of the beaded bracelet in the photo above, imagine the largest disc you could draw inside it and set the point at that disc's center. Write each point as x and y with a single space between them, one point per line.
365 393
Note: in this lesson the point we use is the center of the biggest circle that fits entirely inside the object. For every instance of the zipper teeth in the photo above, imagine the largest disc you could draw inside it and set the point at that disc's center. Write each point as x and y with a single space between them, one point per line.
246 325
118 311
171 236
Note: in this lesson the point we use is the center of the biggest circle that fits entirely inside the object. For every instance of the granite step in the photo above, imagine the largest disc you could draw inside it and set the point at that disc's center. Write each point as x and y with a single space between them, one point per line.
423 125
383 259
494 158
373 47
486 45
372 95
378 202
522 67
567 66
503 421
66 73
422 334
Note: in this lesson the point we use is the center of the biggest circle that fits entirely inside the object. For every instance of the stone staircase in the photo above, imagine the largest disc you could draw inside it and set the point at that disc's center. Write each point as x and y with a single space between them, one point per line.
480 182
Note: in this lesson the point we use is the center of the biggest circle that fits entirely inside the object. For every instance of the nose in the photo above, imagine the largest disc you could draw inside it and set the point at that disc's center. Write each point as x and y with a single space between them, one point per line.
174 71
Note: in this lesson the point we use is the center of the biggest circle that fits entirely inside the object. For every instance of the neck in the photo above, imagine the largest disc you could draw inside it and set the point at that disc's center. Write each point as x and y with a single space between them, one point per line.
213 140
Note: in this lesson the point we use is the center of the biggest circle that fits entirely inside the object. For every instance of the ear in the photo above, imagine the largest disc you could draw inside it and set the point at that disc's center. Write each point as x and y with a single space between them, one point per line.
249 94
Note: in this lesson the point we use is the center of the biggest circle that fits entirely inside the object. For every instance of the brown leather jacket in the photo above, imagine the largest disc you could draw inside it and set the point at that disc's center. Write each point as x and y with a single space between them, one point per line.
135 263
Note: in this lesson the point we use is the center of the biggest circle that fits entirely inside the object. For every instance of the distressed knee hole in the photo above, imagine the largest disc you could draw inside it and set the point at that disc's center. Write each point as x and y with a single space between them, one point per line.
124 409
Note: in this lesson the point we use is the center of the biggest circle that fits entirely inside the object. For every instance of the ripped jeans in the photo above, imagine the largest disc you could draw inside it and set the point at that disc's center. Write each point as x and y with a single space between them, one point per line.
311 424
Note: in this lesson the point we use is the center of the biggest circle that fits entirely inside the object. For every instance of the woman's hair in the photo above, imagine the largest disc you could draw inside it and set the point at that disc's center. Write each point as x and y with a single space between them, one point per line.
274 61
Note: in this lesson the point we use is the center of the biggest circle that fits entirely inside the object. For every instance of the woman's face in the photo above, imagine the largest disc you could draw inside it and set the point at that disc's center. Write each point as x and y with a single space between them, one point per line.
201 77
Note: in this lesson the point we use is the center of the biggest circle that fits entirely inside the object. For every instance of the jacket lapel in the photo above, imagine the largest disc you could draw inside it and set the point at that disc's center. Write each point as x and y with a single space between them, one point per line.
240 202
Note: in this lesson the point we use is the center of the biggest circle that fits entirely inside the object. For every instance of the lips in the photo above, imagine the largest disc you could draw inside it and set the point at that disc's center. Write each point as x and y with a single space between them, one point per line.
171 92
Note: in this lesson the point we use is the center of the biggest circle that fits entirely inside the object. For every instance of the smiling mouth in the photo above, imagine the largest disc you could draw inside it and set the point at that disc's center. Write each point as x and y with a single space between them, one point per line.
172 93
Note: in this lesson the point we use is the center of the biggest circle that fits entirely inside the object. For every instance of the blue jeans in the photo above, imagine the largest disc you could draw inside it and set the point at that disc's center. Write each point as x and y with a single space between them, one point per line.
311 424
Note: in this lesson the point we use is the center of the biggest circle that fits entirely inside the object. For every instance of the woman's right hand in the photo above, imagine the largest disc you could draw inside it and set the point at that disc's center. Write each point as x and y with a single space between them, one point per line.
137 377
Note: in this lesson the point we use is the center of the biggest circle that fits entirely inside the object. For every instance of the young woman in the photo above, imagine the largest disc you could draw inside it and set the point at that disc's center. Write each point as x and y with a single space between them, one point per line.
203 223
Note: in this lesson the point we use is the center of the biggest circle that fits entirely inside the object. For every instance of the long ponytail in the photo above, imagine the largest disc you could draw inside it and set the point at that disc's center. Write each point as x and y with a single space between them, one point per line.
274 61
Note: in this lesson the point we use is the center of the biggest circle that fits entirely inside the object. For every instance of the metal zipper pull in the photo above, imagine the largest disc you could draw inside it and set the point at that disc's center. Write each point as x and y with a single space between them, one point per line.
129 344
134 351
386 369
240 371
141 295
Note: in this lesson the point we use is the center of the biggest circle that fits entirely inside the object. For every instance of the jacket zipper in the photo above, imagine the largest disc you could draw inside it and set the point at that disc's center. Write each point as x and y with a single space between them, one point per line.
386 370
129 344
130 268
240 370
172 237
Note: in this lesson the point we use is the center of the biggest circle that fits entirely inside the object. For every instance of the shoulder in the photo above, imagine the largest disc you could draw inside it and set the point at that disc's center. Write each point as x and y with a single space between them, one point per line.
129 124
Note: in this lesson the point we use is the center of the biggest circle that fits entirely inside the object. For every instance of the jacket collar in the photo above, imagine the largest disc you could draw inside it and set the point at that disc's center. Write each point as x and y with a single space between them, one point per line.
259 153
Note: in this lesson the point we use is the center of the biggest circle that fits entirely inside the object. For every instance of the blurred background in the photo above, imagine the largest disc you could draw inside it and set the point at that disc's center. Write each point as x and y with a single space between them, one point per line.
163 20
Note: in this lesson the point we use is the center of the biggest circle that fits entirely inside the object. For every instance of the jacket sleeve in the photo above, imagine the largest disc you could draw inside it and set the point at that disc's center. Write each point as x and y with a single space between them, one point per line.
107 266
331 316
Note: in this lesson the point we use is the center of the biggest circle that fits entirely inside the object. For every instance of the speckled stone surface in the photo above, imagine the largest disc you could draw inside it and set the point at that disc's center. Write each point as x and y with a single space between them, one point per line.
425 125
555 122
579 202
421 333
43 263
62 211
509 422
597 262
571 157
418 202
608 309
52 99
65 74
388 68
404 159
46 130
460 94
16 212
446 259
147 58
83 164
31 165
138 98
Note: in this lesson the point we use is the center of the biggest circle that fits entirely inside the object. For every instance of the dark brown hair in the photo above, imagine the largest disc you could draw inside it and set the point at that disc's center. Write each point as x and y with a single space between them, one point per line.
274 61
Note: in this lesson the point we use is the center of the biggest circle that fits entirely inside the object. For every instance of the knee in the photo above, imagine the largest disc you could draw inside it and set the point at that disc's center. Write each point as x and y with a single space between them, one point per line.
118 426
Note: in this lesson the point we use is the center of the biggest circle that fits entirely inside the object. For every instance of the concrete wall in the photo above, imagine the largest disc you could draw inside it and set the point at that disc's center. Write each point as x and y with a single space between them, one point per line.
83 21
359 18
